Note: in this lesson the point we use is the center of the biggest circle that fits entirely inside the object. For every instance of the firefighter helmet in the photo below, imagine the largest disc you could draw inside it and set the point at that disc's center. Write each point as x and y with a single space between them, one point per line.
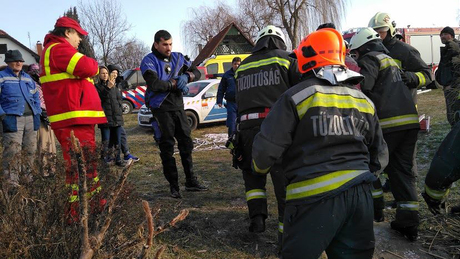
321 48
271 30
382 20
362 37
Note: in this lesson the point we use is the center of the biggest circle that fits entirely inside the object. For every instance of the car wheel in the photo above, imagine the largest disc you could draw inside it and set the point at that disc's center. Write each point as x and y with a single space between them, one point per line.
126 107
192 119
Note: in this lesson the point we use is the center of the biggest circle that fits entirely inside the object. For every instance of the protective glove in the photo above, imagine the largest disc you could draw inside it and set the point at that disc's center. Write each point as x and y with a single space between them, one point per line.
185 90
409 78
434 206
182 82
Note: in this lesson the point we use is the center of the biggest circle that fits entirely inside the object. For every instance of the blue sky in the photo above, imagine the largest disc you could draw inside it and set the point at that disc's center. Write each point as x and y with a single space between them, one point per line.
147 17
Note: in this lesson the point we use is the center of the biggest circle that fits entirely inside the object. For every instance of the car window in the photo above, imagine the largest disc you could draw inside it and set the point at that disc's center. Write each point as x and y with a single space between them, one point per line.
132 81
140 79
212 91
212 69
227 66
195 88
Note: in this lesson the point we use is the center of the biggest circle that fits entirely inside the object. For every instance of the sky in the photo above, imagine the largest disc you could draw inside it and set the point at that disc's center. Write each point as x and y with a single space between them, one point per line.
27 17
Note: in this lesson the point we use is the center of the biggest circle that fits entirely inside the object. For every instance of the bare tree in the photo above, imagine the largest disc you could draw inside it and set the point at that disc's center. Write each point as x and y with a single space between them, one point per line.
130 54
106 25
205 22
254 16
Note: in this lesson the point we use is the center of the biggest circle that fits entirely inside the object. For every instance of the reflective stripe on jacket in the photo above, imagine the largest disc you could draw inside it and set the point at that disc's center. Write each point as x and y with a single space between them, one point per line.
328 137
70 95
383 85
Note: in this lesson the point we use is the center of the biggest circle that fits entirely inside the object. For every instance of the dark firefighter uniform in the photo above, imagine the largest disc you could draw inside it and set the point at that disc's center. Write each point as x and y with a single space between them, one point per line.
416 72
260 80
399 121
444 170
167 105
329 139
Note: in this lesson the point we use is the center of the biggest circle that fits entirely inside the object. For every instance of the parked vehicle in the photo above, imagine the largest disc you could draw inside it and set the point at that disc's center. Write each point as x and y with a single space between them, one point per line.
133 89
216 66
199 105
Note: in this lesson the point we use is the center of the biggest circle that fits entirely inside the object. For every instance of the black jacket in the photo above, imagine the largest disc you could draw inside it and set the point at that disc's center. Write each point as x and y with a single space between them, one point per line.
111 104
263 77
446 74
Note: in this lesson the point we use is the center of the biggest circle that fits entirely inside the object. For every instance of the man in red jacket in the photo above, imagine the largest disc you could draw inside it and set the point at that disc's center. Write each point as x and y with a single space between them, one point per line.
73 103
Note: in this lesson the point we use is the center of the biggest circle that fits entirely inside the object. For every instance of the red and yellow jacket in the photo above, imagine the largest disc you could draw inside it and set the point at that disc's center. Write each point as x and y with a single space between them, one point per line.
70 95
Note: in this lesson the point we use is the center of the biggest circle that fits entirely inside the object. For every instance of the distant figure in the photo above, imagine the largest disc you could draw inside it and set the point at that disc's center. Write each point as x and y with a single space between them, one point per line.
448 74
328 136
46 139
20 114
111 103
227 89
72 103
167 74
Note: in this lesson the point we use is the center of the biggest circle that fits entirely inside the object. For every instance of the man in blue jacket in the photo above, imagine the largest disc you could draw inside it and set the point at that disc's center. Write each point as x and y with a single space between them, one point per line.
20 112
227 88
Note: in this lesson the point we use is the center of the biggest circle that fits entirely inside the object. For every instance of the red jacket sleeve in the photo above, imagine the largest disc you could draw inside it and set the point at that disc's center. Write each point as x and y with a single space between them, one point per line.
69 60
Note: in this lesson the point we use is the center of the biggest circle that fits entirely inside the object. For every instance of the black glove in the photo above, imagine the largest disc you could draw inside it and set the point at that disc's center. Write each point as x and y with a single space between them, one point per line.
409 78
2 116
44 117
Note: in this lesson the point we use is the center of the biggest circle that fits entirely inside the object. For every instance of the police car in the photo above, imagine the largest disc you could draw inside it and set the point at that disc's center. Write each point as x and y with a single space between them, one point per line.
199 105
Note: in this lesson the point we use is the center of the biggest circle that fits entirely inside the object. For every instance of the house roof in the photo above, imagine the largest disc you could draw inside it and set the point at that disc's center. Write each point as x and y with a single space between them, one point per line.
212 45
3 34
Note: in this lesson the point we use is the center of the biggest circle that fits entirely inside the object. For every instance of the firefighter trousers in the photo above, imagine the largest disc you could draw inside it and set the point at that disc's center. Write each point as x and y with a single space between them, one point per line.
174 125
341 225
401 145
445 166
256 195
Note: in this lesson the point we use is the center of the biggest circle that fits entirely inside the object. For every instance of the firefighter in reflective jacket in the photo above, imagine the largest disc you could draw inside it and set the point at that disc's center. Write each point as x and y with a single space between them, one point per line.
399 121
327 133
260 80
444 171
414 71
73 103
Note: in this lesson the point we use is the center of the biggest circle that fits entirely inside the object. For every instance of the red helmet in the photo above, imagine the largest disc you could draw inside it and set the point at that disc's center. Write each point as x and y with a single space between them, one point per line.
321 48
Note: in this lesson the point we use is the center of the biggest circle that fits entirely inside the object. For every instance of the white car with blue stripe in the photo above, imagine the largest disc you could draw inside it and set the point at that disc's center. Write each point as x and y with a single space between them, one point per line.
199 105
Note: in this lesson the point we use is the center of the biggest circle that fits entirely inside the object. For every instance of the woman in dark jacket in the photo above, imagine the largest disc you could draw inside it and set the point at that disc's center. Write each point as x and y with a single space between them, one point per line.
111 103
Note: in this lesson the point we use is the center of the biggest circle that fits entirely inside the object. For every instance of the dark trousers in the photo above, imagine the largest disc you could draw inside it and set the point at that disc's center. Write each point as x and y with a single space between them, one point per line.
256 195
174 125
452 105
232 111
342 226
445 167
401 145
124 142
111 139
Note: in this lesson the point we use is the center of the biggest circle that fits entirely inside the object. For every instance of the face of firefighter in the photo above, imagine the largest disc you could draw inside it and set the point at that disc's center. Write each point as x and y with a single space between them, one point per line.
164 47
445 37
73 37
235 65
382 32
354 54
16 66
103 74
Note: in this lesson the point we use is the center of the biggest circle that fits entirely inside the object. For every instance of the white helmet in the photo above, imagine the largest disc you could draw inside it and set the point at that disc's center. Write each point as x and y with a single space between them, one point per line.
382 20
362 37
271 30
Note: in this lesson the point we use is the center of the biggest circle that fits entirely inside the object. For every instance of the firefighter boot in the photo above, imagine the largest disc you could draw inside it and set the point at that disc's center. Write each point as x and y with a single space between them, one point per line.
257 224
434 206
379 216
410 232
192 185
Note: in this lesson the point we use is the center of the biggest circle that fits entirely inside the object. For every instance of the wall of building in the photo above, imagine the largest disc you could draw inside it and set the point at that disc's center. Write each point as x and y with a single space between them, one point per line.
28 58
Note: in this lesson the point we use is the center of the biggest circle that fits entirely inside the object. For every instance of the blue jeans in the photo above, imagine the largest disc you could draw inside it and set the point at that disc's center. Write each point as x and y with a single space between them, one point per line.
232 111
111 138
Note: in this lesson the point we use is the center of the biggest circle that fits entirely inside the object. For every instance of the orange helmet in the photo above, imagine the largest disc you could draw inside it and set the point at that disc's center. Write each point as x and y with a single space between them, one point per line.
321 48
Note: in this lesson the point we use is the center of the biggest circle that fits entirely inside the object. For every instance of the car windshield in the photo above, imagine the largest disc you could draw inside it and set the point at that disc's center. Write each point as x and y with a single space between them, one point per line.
195 88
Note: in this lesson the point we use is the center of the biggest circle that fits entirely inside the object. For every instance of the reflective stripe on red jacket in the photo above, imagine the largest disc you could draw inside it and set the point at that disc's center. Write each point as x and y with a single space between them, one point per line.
70 95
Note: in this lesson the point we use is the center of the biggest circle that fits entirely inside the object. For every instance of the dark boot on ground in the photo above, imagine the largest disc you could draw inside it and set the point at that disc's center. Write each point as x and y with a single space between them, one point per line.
410 232
175 192
192 185
379 215
257 224
434 206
